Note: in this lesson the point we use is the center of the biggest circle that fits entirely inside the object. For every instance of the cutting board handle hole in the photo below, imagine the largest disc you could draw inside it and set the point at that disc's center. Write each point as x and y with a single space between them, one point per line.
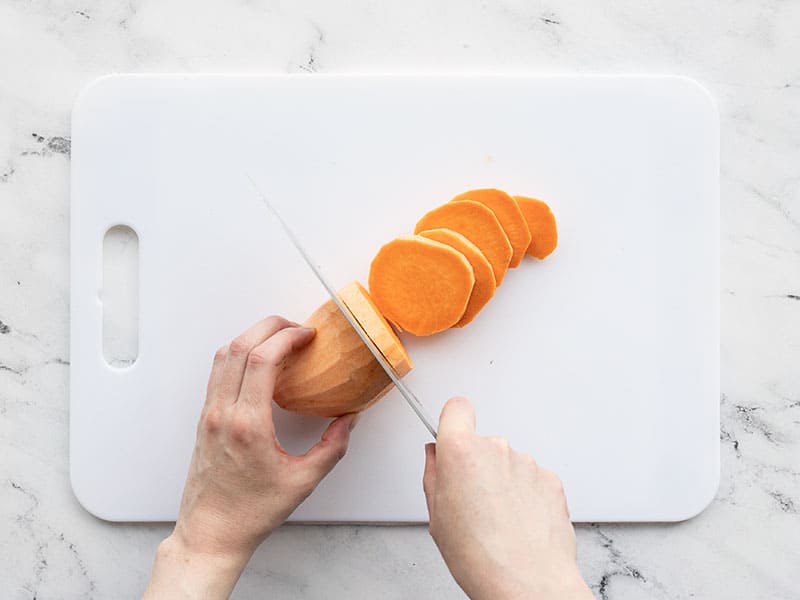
119 295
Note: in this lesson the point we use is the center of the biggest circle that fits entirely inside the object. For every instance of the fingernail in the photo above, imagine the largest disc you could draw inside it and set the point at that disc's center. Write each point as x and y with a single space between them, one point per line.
307 329
354 421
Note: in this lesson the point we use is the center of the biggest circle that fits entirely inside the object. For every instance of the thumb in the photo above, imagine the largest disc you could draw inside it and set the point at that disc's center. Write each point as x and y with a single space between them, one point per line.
457 418
429 476
331 448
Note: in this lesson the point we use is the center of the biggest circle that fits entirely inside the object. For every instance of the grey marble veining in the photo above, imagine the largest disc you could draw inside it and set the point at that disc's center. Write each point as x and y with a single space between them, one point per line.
745 545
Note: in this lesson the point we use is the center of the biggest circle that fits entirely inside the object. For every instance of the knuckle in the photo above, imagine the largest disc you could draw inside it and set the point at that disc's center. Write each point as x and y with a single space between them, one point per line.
256 358
212 421
341 451
270 355
240 347
553 482
221 353
241 430
276 321
529 460
558 490
499 443
274 355
337 451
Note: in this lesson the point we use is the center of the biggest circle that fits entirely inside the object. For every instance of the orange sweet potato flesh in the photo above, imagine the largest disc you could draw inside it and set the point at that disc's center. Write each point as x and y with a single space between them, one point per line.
542 223
356 298
479 225
509 215
484 287
421 285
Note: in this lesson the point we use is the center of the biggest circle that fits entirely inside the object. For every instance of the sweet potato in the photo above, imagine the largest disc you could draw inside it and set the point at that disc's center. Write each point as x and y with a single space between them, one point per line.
479 225
542 223
356 298
336 373
509 215
421 285
484 287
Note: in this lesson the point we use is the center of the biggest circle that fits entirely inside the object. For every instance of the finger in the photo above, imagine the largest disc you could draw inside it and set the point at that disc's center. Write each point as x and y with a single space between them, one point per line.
527 463
458 417
526 470
209 417
429 476
265 362
215 377
555 490
562 497
500 444
239 350
329 450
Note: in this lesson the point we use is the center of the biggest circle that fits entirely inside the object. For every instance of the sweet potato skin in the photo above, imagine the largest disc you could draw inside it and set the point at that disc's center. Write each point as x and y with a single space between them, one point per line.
336 373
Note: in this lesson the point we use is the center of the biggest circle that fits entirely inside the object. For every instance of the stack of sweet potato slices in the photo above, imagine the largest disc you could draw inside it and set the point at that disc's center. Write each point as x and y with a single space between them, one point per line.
444 274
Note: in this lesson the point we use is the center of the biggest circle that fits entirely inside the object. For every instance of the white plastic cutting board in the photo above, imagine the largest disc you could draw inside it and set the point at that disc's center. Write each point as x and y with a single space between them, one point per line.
601 361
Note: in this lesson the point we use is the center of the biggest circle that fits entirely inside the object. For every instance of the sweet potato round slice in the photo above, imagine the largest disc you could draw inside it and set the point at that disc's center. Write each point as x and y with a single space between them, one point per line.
484 287
509 215
356 298
542 223
479 225
421 285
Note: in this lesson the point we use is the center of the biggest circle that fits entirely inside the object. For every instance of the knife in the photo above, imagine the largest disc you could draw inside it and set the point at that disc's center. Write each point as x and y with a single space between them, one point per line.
404 390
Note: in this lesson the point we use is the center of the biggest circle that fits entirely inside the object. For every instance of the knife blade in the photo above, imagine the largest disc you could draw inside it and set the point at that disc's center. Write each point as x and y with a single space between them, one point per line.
404 390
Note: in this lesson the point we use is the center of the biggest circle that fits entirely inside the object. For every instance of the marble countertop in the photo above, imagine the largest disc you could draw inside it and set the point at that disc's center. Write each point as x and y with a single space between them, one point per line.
745 545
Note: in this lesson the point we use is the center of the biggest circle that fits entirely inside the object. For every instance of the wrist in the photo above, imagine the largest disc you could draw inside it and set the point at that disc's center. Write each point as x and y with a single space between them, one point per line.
556 586
183 572
175 548
569 585
574 588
